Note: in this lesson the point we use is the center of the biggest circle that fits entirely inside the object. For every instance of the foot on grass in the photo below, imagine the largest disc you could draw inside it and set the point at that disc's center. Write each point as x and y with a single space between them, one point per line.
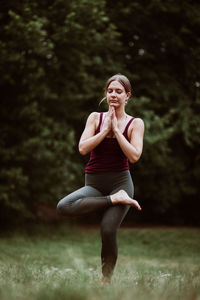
105 280
122 197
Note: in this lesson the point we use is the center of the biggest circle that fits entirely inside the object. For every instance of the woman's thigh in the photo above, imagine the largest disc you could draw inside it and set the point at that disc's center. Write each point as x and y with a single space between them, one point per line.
70 200
114 215
124 183
109 183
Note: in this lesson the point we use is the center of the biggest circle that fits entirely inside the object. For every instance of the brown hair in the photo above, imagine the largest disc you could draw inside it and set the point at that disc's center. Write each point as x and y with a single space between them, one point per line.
121 79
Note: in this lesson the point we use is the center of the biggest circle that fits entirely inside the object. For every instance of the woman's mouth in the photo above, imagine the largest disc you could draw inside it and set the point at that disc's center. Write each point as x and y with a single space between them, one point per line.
113 101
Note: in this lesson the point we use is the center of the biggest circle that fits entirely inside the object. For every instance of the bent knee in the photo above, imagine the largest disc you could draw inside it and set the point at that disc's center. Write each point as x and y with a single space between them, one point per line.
59 208
65 208
62 209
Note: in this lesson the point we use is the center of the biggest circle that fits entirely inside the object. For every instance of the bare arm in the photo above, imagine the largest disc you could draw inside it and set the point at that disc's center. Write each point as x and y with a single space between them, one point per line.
132 149
89 140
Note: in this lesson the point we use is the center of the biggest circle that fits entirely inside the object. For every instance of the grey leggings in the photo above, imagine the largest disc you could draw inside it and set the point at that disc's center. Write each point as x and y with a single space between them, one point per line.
95 195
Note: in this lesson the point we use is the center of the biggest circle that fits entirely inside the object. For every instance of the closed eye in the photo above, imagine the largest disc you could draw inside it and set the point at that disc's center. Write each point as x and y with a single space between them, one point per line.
118 91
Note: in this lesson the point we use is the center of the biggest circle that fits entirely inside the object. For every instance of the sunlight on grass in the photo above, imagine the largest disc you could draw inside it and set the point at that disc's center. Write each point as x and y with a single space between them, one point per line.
152 264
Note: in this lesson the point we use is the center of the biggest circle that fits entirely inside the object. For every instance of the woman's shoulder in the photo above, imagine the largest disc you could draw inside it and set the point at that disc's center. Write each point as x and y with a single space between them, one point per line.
136 125
134 119
94 117
136 122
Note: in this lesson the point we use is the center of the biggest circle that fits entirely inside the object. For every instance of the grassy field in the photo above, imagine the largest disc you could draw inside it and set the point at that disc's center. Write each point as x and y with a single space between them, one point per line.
64 263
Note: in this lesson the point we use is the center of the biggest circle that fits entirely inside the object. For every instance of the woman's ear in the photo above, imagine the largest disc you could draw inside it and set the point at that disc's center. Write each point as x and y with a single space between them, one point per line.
128 95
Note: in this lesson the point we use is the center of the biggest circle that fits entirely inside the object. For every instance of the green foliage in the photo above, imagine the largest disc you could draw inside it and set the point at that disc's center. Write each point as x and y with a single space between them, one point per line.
161 52
47 51
54 60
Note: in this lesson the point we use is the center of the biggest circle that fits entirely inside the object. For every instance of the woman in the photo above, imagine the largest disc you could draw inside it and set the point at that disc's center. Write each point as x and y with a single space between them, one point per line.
113 138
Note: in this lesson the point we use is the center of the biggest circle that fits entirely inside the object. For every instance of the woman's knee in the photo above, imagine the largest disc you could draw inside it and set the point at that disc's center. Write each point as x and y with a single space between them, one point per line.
60 208
63 208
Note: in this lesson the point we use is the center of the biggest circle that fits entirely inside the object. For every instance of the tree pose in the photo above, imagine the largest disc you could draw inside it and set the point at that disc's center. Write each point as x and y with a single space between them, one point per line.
113 138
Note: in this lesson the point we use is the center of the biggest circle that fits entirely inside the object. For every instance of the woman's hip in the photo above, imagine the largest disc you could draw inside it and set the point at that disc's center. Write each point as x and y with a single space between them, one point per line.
109 182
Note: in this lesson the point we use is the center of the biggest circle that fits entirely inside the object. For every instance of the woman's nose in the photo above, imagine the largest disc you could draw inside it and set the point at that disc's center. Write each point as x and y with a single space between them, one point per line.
113 93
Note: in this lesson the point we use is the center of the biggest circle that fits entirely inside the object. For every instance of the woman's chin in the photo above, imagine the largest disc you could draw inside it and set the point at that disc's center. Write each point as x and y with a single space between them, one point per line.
113 104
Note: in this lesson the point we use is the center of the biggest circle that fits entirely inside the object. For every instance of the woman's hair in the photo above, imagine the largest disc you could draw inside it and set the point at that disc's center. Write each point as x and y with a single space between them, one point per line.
121 79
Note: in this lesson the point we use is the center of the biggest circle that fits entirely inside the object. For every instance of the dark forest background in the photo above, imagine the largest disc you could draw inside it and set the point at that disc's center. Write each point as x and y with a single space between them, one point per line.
55 57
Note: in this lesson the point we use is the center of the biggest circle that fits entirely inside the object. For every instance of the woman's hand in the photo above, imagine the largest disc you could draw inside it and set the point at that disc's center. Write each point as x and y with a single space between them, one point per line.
113 119
107 123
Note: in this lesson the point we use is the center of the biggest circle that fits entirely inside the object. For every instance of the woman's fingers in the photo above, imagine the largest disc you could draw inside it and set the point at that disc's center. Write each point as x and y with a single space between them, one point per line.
112 112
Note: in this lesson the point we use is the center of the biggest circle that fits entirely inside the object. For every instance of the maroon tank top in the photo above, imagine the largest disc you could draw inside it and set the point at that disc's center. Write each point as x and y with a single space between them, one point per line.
108 156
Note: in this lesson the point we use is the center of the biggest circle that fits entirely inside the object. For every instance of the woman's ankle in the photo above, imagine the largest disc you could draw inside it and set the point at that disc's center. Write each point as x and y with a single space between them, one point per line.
106 280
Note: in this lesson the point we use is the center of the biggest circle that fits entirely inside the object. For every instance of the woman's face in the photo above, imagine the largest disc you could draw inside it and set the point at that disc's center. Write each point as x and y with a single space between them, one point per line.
116 94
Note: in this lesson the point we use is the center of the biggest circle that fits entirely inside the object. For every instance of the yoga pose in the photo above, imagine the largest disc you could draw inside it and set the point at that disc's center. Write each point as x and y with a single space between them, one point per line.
113 138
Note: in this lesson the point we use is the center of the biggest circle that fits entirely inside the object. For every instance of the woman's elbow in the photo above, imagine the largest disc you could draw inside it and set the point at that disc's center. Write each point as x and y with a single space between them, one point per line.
135 158
82 150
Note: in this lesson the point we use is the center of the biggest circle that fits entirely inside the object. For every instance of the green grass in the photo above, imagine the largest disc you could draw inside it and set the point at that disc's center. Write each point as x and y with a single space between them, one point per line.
64 263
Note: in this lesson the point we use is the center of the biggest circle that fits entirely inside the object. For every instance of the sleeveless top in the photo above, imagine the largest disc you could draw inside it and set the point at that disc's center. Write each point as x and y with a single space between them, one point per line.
108 156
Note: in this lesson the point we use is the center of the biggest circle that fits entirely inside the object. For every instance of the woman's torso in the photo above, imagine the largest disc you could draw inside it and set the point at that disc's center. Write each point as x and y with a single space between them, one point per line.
108 156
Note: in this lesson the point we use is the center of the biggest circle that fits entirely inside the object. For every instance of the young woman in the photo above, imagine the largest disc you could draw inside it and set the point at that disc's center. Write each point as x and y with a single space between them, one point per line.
113 138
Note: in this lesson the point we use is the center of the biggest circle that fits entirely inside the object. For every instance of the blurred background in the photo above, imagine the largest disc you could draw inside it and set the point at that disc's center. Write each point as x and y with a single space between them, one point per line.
55 57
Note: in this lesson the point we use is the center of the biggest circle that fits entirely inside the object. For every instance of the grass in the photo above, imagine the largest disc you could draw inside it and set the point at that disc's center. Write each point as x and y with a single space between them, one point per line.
64 263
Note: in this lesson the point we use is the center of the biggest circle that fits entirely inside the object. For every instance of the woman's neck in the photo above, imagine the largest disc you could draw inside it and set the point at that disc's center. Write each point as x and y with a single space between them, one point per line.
120 113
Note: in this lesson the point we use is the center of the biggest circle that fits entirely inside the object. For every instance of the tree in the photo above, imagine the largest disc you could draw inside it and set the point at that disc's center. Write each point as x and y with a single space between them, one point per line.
161 49
51 56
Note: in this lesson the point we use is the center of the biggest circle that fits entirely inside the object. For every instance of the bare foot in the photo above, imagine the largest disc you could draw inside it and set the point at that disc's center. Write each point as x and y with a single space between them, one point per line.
105 280
123 198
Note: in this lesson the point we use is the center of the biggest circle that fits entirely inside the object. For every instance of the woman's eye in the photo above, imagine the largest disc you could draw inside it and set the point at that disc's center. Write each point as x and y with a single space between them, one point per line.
117 91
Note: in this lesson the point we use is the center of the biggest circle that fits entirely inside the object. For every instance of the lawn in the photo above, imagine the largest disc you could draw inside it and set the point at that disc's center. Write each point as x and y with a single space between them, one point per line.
64 263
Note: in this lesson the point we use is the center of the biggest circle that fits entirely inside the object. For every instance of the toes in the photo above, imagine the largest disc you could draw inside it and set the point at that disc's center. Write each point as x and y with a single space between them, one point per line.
136 204
139 207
